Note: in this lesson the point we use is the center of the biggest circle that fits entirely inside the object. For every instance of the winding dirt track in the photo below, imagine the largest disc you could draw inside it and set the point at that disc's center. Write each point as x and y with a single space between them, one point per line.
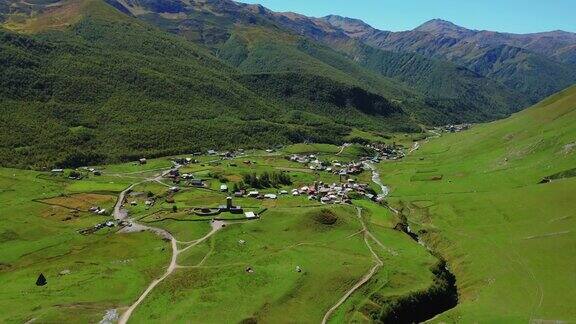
367 276
344 146
367 237
121 214
414 148
216 226
126 315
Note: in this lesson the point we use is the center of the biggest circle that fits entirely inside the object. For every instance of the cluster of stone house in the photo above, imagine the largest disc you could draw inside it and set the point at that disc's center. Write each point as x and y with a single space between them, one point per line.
455 128
77 174
334 193
184 161
109 223
189 179
257 194
224 154
386 152
94 171
334 167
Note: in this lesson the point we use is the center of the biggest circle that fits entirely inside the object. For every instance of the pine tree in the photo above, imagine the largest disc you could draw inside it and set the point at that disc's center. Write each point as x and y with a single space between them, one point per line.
265 180
41 281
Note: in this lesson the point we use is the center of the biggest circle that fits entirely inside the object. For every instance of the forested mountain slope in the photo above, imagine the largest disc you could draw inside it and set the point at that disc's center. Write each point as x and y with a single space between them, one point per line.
113 85
536 65
440 92
85 83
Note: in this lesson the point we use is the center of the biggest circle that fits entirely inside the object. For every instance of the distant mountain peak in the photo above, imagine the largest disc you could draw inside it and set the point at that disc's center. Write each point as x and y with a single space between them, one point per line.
440 26
351 26
438 22
258 9
341 19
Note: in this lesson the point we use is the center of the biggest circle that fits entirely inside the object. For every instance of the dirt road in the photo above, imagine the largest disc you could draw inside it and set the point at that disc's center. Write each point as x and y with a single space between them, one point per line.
216 226
120 213
379 263
415 147
342 148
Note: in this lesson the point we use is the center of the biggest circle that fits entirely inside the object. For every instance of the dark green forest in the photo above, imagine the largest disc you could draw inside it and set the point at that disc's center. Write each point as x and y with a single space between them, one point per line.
113 88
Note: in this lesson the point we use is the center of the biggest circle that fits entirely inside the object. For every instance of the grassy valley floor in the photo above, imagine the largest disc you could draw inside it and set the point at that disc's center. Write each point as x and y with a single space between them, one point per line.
107 270
495 201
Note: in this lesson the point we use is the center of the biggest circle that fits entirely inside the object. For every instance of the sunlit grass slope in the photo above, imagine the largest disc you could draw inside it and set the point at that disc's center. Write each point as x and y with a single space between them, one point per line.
39 219
476 196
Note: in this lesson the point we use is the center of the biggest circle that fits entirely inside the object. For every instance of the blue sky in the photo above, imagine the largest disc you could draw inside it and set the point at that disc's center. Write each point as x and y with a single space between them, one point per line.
516 16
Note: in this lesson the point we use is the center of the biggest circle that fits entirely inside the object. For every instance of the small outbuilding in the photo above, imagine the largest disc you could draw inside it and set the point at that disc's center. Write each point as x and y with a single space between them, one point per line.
197 183
250 215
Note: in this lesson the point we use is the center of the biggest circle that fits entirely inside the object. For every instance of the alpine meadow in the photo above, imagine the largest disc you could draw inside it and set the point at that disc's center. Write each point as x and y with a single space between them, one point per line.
213 161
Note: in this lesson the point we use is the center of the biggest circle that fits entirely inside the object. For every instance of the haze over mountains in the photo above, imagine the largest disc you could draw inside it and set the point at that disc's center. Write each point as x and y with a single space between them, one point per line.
241 74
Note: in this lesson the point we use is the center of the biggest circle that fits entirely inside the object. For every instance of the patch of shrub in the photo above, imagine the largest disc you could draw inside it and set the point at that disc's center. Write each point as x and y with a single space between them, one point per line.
355 195
359 140
218 176
265 180
326 217
250 320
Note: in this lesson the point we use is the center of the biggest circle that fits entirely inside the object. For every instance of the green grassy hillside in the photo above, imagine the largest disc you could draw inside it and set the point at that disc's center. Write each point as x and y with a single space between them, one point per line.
447 93
88 275
477 198
40 216
535 76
